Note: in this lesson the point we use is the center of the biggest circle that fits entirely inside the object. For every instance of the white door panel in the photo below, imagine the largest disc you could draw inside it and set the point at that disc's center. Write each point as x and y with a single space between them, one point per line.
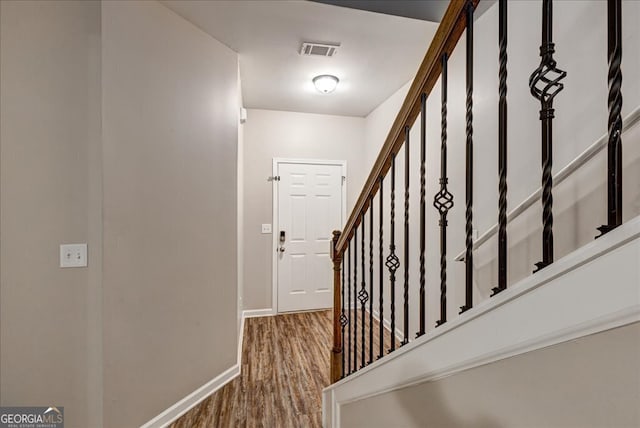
309 209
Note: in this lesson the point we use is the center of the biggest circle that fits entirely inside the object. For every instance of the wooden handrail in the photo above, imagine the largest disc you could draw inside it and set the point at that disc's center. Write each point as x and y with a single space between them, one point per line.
451 28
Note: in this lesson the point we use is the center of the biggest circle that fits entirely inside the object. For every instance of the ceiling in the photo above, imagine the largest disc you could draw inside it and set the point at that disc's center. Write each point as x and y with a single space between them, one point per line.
428 10
378 53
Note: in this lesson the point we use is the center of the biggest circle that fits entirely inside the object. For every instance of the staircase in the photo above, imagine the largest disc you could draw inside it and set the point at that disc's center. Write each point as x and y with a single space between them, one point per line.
394 271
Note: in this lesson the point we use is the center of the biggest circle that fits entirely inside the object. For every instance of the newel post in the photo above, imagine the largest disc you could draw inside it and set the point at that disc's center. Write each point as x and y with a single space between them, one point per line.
336 352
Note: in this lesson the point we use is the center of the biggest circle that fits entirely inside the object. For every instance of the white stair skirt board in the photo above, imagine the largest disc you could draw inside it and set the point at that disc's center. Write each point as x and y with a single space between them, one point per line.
387 324
572 298
170 415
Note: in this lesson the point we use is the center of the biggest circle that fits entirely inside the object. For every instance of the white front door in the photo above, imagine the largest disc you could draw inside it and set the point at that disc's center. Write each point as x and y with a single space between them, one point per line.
309 209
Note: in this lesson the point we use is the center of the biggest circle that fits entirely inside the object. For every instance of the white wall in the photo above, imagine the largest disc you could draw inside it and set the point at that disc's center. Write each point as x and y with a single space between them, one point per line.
170 117
581 118
278 134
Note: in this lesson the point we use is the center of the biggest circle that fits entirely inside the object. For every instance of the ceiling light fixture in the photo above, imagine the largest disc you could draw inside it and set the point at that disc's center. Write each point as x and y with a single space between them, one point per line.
325 83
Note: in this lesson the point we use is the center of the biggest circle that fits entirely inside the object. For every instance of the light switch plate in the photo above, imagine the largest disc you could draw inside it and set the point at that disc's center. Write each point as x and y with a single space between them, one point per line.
266 228
73 255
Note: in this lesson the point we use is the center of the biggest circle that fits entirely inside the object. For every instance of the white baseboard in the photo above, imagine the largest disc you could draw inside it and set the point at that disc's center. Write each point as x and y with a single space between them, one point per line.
167 417
253 313
387 324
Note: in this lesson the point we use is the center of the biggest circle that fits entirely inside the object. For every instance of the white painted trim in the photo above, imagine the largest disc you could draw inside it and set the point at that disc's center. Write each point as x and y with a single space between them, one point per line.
276 227
575 306
387 324
165 418
172 413
274 238
253 313
629 121
240 341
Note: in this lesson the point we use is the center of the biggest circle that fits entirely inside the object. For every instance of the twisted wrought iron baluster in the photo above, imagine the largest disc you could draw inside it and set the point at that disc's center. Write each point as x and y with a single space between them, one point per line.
406 236
545 84
468 258
355 296
370 280
380 268
443 200
348 323
502 151
614 148
393 263
423 159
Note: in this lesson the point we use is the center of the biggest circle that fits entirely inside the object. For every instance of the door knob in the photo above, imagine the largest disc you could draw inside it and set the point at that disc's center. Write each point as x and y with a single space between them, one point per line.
281 249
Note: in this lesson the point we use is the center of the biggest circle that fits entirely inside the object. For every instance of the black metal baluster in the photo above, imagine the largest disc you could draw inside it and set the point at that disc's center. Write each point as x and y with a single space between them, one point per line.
443 200
381 271
502 151
545 85
468 258
348 308
355 298
392 260
423 159
363 296
406 236
614 148
370 280
343 317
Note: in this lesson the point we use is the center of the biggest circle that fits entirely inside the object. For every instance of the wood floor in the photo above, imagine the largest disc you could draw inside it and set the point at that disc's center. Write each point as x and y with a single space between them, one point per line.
285 366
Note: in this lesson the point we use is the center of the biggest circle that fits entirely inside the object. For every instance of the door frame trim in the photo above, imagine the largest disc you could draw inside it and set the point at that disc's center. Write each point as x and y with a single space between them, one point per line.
276 227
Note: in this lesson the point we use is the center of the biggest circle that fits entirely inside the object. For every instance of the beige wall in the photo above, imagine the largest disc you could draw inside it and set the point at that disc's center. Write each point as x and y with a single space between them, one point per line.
170 114
378 123
119 129
50 194
589 382
270 134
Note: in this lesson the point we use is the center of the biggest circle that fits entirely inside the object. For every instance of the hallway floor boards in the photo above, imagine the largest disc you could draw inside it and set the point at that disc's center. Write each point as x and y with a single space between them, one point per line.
285 366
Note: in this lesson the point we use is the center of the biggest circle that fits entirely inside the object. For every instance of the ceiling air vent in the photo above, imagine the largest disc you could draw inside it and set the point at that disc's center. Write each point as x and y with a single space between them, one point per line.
318 49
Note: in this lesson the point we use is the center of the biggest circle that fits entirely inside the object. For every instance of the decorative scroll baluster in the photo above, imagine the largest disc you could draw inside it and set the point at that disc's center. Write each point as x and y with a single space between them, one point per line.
406 236
423 160
614 148
343 319
468 258
502 150
392 260
355 297
443 200
545 85
349 308
370 280
363 296
381 270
